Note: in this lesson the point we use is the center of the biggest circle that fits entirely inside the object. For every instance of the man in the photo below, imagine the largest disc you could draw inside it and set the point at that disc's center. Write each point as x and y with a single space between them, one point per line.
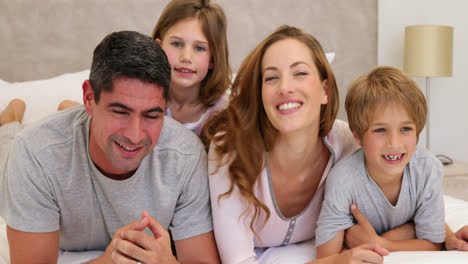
95 177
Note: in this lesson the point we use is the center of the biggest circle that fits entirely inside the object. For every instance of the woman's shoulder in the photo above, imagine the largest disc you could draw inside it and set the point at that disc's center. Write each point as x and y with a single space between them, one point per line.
340 139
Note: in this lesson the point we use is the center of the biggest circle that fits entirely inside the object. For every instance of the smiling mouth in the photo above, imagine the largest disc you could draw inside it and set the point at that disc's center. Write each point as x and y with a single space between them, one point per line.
126 148
288 106
393 157
184 70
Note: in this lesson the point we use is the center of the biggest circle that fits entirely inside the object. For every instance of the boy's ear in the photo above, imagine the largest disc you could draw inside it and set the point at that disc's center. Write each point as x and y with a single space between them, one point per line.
158 40
357 138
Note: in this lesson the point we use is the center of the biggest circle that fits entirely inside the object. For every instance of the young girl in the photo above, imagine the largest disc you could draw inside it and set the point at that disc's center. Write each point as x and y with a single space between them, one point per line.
193 35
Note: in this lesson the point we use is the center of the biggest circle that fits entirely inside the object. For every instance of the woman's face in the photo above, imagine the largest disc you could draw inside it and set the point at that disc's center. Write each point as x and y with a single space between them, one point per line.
292 92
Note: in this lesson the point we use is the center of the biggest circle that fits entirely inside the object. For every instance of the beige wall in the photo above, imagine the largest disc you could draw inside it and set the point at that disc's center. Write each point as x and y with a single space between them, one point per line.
41 39
448 95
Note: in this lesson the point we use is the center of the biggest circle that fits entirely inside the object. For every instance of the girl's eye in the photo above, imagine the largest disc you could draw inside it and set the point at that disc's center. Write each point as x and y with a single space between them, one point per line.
176 44
200 48
406 129
379 130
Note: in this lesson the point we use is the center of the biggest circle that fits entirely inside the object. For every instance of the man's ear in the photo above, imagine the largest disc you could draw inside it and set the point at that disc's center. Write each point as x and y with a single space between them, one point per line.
356 138
158 40
88 97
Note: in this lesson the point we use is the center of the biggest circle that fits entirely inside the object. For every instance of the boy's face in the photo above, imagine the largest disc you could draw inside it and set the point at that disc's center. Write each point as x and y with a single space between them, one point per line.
389 142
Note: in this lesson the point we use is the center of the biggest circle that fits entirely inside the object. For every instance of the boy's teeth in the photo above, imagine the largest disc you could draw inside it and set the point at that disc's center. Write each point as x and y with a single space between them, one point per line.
393 157
125 147
288 106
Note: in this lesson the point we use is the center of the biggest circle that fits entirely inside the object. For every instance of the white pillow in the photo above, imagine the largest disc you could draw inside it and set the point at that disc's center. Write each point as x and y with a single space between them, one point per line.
43 96
330 56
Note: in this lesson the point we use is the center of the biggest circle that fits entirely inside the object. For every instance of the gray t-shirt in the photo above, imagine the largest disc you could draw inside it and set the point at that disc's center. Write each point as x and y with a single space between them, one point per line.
52 184
420 199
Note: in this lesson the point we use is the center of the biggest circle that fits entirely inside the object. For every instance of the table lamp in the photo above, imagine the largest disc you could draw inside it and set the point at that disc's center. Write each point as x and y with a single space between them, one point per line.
428 53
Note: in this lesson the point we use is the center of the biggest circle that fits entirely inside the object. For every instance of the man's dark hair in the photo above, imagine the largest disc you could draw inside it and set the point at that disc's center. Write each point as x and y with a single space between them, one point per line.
128 54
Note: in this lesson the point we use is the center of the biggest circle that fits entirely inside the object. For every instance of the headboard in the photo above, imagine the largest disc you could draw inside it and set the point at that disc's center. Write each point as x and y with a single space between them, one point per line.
42 39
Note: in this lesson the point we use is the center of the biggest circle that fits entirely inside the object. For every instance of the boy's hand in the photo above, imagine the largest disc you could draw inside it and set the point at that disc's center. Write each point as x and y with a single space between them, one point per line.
362 232
458 240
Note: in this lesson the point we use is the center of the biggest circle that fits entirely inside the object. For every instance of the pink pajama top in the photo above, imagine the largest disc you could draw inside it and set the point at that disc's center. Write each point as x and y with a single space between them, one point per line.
235 240
197 126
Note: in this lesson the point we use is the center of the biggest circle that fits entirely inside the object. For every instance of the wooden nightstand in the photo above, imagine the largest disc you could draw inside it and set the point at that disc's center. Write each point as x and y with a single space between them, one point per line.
456 180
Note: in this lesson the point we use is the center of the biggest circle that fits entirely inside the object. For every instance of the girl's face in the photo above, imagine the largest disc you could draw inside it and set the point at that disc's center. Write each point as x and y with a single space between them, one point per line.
292 92
188 52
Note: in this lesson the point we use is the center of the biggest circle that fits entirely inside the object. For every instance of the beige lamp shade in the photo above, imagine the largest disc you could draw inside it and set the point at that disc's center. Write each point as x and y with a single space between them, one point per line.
428 50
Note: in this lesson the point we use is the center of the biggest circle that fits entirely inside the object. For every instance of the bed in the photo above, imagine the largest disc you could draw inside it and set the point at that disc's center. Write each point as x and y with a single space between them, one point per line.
456 212
47 46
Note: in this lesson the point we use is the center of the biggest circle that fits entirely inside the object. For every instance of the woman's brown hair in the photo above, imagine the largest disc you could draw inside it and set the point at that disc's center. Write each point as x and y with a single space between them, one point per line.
242 133
214 26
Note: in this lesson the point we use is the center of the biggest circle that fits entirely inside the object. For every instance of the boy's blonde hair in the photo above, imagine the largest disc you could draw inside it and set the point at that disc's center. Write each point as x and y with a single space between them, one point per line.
383 85
213 21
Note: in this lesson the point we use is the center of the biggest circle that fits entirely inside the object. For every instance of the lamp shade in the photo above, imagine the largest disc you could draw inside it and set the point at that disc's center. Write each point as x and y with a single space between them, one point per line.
428 50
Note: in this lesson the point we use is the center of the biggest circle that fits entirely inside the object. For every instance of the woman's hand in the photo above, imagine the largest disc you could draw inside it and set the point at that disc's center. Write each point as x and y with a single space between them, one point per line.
369 253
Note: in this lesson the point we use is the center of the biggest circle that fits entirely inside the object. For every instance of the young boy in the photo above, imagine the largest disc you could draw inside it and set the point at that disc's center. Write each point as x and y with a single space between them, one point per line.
391 182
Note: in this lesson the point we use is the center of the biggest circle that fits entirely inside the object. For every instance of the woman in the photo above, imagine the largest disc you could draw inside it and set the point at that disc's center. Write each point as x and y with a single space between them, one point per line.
277 137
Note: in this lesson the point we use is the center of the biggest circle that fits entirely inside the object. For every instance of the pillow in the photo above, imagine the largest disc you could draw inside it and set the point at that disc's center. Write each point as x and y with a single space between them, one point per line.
43 96
330 56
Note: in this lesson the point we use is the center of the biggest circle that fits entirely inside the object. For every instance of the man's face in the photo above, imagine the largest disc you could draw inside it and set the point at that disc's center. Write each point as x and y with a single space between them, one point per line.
125 125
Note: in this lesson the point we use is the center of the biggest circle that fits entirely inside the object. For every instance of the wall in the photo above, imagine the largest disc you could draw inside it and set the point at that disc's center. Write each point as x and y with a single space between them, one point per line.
42 39
448 104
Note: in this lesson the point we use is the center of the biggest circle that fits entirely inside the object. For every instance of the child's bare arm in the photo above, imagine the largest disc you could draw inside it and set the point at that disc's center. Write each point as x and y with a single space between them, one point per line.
410 245
403 232
367 234
333 246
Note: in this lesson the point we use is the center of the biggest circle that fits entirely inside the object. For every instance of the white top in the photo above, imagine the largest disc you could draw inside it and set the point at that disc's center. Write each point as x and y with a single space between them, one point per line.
198 125
235 240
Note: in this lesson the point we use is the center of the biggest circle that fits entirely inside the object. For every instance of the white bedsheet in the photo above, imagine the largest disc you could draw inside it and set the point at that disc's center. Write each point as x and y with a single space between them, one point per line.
456 212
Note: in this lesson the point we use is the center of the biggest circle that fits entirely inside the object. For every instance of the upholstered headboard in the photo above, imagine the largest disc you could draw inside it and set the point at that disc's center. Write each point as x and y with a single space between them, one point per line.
42 39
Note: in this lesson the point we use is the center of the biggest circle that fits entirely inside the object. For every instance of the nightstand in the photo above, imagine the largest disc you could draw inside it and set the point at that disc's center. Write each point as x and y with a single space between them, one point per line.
456 180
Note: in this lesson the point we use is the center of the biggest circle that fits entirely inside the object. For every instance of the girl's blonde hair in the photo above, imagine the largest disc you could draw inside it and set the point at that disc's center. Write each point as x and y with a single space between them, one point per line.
214 25
243 131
